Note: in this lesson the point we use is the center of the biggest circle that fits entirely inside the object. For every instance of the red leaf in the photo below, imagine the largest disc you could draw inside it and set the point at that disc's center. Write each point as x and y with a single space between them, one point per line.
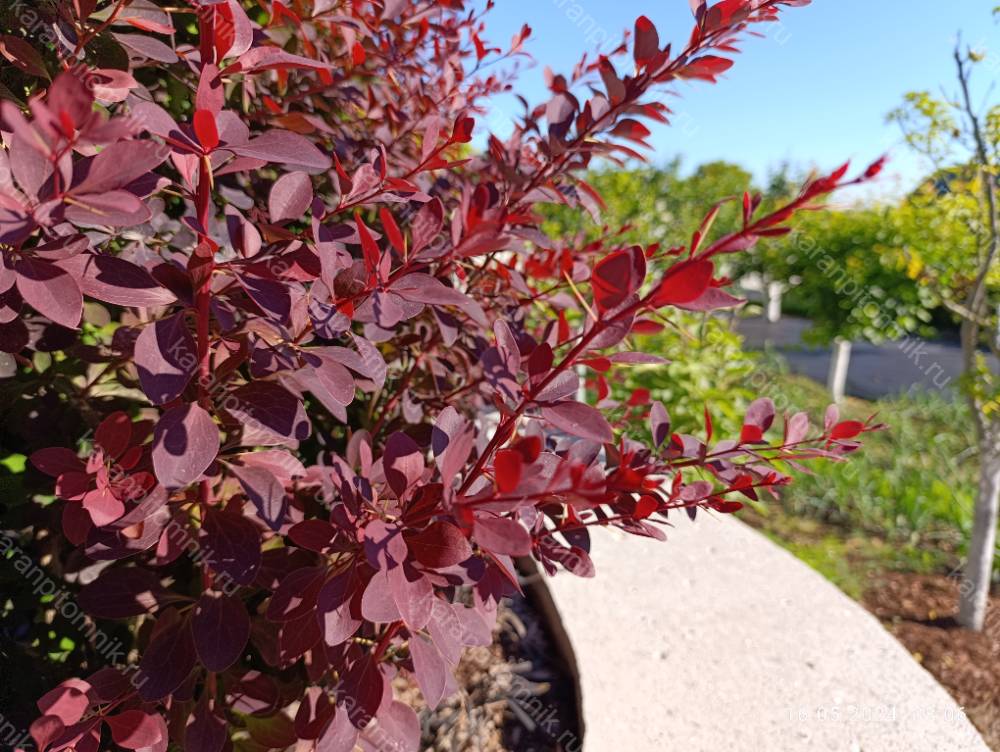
507 467
369 247
358 54
847 429
759 417
206 130
645 507
617 276
136 729
67 702
392 230
683 283
647 41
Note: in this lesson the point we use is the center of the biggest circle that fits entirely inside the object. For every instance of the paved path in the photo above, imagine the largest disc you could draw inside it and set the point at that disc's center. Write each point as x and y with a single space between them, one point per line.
719 641
875 370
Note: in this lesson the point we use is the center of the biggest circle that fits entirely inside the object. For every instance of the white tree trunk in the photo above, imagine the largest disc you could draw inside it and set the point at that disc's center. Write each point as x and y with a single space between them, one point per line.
840 360
975 590
774 292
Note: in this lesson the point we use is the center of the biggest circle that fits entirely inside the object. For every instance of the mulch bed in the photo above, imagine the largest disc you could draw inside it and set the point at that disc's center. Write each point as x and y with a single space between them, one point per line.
920 610
515 695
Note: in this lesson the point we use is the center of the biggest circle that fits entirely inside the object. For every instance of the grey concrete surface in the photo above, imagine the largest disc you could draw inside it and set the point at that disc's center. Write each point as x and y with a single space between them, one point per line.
719 641
875 370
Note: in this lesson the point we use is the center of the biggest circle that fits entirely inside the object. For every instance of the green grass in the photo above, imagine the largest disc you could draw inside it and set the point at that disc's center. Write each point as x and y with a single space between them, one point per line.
847 559
903 502
913 483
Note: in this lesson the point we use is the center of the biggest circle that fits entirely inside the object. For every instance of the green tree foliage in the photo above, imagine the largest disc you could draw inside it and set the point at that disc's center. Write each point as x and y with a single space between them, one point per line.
853 274
655 203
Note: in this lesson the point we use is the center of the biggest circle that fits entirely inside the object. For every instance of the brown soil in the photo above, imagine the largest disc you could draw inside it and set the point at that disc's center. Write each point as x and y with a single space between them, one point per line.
920 611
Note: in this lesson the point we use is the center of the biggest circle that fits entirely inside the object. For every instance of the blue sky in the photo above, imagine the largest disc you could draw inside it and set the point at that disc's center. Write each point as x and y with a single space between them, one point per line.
815 91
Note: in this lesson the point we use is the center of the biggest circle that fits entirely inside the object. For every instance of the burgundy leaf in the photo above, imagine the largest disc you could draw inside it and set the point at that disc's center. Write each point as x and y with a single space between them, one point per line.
452 440
269 58
335 379
55 461
413 595
272 296
363 682
398 729
314 713
440 545
427 225
423 288
265 491
121 593
578 419
113 209
118 165
291 196
647 41
270 413
67 702
114 280
221 629
285 148
50 291
296 595
499 535
231 545
166 357
147 47
166 662
333 607
430 669
659 422
205 731
314 535
185 443
273 732
341 735
403 463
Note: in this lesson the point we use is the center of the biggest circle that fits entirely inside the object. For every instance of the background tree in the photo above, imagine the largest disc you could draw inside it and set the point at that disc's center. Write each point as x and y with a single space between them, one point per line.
957 239
844 272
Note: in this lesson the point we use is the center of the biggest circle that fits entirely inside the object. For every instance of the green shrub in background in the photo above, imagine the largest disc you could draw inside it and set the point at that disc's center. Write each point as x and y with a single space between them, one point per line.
713 369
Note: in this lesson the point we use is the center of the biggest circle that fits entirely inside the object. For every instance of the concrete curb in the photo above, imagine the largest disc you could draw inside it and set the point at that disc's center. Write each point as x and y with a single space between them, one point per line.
720 640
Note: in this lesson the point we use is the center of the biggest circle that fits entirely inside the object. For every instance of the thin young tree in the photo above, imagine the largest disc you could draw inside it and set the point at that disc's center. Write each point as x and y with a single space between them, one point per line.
961 137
